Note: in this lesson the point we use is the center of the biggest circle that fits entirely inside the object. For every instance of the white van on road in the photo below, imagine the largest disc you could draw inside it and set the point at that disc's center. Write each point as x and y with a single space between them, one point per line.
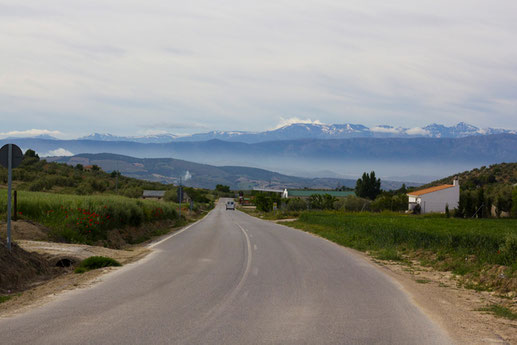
230 205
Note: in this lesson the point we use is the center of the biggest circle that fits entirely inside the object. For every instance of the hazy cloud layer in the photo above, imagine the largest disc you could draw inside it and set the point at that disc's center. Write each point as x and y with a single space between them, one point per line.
30 133
129 67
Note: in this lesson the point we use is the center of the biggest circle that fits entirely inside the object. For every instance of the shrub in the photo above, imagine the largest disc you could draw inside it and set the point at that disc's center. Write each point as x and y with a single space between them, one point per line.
353 203
296 204
95 262
171 195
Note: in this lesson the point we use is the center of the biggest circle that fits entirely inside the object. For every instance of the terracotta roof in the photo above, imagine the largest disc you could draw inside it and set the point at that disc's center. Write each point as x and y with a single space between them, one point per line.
430 190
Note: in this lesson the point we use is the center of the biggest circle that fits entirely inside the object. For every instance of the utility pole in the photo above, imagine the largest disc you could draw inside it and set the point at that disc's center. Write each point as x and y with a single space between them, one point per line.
116 178
10 157
9 182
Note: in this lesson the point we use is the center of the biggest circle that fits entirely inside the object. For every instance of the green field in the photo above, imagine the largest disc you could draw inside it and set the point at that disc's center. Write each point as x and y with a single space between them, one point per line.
459 245
87 219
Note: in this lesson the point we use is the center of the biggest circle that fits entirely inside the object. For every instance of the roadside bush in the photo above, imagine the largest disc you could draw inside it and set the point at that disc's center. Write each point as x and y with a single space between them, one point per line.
389 202
353 203
322 202
84 188
95 262
133 192
171 195
265 201
296 204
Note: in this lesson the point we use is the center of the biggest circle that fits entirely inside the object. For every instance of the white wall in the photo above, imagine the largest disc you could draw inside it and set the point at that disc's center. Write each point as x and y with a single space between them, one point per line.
436 201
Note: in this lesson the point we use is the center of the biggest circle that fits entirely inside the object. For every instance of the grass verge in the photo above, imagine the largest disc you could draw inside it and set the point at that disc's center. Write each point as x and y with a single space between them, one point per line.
500 311
481 250
4 298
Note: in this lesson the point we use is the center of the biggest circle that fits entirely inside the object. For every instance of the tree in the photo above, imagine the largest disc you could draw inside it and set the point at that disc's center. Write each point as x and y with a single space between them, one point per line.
222 188
368 186
265 201
322 202
31 154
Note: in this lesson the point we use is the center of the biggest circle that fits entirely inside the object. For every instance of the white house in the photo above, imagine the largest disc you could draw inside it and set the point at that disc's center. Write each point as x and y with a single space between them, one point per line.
435 199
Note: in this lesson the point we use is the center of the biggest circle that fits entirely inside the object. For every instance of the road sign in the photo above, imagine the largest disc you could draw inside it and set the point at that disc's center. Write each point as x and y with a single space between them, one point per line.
10 157
17 155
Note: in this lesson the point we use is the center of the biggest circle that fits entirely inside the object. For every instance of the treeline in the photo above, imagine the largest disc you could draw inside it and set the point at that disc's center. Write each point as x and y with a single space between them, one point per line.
481 204
386 201
483 195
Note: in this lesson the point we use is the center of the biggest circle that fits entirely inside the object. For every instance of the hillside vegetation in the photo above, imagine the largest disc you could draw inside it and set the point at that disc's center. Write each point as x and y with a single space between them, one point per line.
87 205
495 175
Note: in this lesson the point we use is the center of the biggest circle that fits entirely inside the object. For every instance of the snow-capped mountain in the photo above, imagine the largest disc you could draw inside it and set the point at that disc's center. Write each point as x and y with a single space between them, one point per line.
148 139
316 131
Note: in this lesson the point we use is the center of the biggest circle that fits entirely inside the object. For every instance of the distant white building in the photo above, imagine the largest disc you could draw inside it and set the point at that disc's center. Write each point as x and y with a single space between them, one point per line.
435 199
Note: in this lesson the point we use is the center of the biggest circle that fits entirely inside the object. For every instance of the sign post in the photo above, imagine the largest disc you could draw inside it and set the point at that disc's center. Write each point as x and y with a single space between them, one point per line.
10 157
180 197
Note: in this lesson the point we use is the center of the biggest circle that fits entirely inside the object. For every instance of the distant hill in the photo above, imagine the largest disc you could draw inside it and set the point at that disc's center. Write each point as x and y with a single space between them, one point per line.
169 170
346 157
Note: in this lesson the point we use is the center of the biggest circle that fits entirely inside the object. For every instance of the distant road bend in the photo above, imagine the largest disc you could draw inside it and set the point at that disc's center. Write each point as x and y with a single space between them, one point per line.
233 279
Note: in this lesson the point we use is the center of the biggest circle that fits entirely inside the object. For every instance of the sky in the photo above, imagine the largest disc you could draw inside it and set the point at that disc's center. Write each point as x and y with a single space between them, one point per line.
71 68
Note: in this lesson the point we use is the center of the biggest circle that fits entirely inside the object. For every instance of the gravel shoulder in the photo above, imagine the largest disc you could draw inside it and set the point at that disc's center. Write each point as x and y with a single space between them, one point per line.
43 292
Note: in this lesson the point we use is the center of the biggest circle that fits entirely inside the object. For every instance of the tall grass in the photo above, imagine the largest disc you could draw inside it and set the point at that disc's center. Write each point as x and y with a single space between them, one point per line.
86 219
474 241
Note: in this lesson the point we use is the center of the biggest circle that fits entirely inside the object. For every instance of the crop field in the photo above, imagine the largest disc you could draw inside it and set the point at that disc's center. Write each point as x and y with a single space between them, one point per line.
86 219
459 245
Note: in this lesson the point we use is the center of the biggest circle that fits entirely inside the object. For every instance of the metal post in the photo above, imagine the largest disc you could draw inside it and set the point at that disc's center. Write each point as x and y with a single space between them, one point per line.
15 213
116 179
9 187
180 196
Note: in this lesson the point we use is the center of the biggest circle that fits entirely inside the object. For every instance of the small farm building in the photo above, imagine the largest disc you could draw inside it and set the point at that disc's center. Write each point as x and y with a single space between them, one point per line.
307 193
435 199
304 193
153 194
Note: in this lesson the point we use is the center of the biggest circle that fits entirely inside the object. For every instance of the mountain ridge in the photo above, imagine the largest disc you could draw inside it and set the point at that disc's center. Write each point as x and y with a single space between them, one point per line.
314 131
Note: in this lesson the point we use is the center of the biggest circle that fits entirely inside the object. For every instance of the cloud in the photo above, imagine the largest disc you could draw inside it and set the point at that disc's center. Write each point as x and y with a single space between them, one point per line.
290 121
58 152
242 65
30 133
418 131
381 129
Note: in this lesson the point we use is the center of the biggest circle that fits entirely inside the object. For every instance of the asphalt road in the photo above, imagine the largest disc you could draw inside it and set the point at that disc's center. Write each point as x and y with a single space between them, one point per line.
233 279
